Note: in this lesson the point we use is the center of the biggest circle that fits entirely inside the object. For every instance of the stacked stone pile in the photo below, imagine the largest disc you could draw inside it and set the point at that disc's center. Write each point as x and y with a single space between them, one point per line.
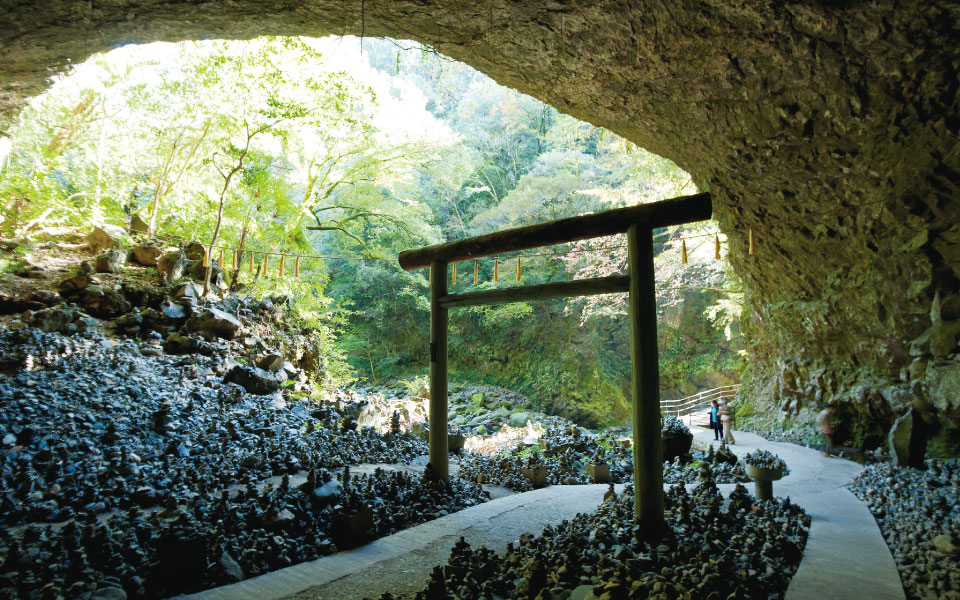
161 476
764 459
565 454
714 548
918 511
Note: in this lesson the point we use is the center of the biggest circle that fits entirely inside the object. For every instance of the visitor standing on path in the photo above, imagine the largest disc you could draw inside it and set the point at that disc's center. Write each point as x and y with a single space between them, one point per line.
726 417
825 427
715 420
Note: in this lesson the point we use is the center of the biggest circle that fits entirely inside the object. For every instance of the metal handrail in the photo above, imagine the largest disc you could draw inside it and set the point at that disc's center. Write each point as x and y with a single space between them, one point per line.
686 406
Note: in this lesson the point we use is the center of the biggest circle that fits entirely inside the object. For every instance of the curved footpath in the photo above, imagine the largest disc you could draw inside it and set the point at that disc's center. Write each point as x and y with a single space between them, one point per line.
845 556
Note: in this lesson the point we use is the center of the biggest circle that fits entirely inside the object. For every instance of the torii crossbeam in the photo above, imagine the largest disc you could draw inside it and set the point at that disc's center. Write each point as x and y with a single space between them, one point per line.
638 222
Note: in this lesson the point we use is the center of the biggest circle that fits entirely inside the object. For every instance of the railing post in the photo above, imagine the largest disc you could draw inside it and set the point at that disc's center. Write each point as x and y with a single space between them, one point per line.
645 381
439 456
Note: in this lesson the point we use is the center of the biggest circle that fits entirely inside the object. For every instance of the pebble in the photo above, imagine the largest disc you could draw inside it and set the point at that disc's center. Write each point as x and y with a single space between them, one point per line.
147 476
764 459
565 457
919 516
713 548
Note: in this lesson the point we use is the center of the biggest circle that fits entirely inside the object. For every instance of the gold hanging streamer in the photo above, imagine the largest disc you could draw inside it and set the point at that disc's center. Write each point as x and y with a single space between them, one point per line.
683 251
264 265
454 273
476 272
220 259
281 266
251 262
236 259
751 241
496 268
518 268
716 247
429 275
206 257
296 267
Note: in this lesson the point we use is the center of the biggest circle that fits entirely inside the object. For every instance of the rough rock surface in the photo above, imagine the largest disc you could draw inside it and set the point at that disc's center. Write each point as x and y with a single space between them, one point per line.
138 225
908 440
107 236
211 322
779 110
172 265
110 261
252 379
147 254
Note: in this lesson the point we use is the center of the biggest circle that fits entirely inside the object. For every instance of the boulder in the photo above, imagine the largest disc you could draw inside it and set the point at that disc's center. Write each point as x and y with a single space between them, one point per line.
177 343
211 322
76 284
598 472
536 475
87 325
107 236
942 378
187 290
174 311
908 440
231 568
947 543
196 270
147 254
110 261
138 225
270 361
59 319
279 520
674 444
328 493
519 419
582 592
311 362
142 294
104 301
110 593
195 251
172 265
254 380
38 300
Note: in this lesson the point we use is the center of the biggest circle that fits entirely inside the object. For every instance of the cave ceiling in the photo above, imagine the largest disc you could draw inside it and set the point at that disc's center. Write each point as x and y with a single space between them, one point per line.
780 109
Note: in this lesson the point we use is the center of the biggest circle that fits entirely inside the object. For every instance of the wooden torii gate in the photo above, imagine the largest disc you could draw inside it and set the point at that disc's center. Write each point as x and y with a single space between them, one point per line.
638 222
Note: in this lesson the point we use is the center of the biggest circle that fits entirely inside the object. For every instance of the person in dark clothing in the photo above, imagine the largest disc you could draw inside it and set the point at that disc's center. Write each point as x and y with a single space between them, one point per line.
715 424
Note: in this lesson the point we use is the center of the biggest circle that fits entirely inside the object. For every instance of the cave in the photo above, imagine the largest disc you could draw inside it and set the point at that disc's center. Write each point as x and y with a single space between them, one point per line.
826 129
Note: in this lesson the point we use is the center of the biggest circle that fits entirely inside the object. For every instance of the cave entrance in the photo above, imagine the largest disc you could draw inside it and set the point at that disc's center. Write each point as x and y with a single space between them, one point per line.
638 222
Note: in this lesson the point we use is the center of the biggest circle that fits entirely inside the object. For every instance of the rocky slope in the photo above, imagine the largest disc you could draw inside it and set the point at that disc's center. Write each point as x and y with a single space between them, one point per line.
156 475
154 445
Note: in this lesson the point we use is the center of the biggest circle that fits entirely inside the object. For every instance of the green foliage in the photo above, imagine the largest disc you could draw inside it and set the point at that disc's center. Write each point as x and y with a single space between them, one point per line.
282 145
416 386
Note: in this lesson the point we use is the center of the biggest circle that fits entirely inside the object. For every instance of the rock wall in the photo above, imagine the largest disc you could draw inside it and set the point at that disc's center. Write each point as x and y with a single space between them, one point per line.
780 109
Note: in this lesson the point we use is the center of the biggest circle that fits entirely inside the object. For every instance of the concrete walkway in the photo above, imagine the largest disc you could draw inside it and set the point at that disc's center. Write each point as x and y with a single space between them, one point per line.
845 556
